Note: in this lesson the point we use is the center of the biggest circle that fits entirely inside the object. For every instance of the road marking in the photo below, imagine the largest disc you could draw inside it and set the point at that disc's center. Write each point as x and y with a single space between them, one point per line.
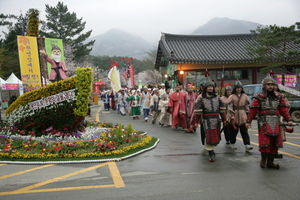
25 171
296 145
282 152
115 174
293 137
2 164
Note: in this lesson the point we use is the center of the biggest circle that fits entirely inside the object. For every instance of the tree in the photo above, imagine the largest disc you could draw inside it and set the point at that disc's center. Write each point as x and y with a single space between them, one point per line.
150 59
9 59
275 46
65 25
149 77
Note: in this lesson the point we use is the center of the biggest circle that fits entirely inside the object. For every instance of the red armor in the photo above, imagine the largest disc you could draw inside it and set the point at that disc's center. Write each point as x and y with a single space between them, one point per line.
269 109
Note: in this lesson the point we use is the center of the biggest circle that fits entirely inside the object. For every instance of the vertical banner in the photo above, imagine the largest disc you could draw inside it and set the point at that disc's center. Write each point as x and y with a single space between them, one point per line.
131 71
29 61
49 44
114 76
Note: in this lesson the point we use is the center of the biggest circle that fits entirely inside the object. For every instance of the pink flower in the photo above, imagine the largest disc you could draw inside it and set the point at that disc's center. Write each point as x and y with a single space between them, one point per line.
50 128
58 134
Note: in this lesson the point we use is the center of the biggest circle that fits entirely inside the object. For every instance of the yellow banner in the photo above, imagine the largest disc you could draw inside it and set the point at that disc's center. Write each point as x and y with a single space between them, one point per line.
115 79
29 62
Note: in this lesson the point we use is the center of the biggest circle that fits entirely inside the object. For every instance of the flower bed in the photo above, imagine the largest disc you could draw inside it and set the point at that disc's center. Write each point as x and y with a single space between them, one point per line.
98 140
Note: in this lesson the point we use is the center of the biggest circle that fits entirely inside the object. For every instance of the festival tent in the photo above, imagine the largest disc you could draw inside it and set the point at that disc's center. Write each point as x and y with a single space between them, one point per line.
10 86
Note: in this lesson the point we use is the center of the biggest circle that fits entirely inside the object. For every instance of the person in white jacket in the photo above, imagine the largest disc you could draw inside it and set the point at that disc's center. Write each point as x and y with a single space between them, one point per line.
164 118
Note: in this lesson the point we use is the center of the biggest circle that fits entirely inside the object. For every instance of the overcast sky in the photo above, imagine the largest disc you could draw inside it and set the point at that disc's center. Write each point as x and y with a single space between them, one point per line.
148 18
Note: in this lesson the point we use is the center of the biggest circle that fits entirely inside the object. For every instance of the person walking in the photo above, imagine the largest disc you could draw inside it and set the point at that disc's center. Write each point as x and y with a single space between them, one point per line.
164 118
229 115
269 105
134 100
175 100
188 107
154 105
106 97
145 103
210 108
239 106
122 102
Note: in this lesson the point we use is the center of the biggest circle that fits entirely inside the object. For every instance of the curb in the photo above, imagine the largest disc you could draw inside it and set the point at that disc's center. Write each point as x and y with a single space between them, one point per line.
80 161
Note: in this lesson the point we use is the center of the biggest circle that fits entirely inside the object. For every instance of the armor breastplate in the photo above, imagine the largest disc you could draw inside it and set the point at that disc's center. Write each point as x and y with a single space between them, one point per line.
211 105
269 115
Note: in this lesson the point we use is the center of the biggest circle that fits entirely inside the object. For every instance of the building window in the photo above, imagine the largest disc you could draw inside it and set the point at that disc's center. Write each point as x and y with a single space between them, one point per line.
233 74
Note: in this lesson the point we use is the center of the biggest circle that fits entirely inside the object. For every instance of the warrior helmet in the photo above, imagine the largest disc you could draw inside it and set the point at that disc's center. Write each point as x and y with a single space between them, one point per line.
268 79
238 84
228 88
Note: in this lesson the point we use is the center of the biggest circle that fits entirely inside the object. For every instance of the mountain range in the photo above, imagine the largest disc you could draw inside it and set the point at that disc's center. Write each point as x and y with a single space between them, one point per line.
116 42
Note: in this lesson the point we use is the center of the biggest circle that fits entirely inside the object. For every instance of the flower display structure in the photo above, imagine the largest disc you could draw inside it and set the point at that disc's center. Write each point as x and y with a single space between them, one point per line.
96 141
61 105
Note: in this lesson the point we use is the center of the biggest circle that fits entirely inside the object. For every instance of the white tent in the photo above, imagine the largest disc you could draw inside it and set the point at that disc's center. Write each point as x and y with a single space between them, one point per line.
13 79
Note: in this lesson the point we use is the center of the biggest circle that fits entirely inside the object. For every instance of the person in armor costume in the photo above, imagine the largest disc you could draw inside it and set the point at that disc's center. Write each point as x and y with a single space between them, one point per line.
229 115
239 107
269 105
210 107
282 128
188 108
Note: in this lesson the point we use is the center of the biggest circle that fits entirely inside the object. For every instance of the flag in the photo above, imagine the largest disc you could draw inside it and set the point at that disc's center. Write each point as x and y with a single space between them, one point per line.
131 72
114 76
29 61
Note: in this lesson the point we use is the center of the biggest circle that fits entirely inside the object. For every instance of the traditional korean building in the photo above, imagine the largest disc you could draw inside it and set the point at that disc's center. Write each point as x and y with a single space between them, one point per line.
185 58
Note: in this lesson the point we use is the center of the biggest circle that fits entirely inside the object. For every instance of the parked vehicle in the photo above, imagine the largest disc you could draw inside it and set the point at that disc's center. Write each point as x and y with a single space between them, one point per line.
294 110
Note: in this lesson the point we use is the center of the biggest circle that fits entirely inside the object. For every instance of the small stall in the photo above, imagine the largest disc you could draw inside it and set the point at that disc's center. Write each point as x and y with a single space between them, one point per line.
9 87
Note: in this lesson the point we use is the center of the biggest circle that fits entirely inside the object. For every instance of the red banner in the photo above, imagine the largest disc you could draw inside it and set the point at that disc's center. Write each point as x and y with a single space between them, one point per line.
131 71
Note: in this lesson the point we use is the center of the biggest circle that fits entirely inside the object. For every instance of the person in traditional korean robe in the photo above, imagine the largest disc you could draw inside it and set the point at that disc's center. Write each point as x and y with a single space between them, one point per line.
269 105
145 102
239 106
154 105
112 100
164 118
175 100
133 101
188 107
229 115
106 98
122 102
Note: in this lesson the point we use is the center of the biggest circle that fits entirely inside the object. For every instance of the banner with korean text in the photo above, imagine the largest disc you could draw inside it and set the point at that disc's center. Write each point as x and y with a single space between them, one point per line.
49 44
29 61
289 80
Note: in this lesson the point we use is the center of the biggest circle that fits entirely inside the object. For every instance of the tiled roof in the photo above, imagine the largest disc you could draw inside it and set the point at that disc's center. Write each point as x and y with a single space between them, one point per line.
206 49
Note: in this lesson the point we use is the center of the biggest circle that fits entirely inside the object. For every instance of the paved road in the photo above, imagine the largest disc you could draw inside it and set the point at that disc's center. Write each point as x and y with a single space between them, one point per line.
177 168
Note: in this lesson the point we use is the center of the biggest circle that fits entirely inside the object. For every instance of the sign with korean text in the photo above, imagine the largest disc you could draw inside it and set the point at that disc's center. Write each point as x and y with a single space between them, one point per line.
289 80
11 86
29 61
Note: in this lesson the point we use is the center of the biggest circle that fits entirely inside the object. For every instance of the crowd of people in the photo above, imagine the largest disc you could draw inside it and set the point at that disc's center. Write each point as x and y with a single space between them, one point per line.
184 108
